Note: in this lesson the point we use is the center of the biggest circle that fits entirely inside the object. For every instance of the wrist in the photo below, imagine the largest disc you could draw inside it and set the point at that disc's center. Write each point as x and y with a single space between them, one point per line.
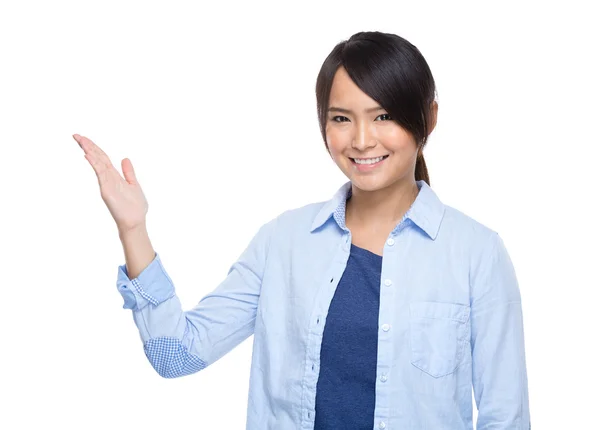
133 232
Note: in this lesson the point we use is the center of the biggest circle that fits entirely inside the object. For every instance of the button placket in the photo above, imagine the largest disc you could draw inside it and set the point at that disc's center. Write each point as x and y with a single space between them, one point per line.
389 276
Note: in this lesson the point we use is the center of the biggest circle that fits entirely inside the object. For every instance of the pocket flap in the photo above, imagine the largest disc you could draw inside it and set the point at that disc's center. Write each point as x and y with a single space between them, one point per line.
452 311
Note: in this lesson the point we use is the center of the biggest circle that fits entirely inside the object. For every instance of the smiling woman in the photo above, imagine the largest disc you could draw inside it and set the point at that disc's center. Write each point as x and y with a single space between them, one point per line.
375 98
381 307
367 140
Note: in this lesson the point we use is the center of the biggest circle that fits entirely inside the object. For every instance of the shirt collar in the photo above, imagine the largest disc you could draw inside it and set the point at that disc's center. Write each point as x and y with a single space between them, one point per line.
426 211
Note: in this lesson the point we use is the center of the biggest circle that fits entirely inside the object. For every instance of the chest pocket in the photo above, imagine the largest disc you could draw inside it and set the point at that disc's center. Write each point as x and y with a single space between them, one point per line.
439 335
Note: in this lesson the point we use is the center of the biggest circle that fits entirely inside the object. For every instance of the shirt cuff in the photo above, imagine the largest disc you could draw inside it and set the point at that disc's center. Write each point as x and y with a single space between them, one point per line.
152 286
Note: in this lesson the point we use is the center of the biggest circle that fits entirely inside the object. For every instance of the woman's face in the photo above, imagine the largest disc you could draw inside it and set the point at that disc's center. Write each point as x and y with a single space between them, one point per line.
359 132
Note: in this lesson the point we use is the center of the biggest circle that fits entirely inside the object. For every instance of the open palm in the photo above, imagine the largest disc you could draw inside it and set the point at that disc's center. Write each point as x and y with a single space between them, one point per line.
122 195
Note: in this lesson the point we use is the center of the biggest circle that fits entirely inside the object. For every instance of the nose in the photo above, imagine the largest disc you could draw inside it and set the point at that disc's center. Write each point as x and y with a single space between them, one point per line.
363 138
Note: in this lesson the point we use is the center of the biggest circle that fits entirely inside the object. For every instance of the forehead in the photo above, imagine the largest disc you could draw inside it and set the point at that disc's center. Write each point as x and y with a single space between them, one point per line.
345 92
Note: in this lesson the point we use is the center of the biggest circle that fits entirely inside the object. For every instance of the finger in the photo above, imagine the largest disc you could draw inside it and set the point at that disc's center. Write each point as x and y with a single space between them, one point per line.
78 139
128 171
104 174
102 164
88 146
96 165
84 143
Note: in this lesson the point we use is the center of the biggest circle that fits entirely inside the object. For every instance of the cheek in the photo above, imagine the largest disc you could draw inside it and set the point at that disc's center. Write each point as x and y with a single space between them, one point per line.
397 139
336 142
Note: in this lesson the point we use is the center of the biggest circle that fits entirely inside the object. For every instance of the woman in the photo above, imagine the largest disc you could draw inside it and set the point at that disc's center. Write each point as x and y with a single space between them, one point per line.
380 308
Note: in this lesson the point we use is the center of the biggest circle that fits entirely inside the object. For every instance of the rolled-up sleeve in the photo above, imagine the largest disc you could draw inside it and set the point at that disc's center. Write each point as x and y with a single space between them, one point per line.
178 342
497 342
157 286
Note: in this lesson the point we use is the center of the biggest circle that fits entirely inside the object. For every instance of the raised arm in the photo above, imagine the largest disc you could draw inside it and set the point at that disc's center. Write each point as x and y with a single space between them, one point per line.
176 343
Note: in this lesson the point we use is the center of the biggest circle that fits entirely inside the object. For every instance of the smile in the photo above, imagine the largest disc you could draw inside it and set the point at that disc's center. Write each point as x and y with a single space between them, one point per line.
369 160
365 164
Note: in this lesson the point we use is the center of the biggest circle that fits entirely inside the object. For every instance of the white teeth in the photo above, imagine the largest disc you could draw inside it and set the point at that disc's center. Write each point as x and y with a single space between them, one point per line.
368 160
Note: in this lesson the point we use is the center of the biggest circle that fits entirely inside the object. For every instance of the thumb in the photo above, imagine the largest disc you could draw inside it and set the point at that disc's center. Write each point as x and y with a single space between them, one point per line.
128 171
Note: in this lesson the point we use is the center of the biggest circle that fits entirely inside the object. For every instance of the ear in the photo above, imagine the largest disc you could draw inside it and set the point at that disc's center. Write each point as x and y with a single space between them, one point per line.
433 117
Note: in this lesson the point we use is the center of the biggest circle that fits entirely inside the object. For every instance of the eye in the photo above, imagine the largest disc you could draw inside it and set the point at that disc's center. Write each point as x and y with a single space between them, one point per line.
339 118
384 116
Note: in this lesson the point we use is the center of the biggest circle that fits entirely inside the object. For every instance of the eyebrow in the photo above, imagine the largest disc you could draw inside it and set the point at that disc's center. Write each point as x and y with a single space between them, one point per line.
339 109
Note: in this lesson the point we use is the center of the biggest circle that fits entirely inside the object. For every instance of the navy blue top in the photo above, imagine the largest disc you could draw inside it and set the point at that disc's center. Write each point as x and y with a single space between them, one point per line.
345 396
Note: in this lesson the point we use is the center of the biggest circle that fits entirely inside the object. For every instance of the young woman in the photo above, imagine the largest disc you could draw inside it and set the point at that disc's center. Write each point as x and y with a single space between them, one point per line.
382 308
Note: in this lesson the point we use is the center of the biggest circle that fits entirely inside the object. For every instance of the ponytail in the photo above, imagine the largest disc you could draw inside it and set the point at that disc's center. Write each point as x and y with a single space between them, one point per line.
421 172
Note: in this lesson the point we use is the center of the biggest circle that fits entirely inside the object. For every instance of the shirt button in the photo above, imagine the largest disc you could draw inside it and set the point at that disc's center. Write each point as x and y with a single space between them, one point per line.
390 242
387 282
381 425
383 377
385 327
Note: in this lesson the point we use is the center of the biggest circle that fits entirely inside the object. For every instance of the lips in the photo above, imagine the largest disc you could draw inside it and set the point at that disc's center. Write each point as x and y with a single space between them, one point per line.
364 167
379 159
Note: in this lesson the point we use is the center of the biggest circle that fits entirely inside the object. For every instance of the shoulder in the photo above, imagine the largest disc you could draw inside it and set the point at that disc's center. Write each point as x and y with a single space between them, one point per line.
288 228
468 234
299 218
488 256
466 224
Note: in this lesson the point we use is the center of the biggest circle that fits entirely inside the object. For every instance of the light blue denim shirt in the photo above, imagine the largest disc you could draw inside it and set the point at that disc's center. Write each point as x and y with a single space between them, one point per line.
450 319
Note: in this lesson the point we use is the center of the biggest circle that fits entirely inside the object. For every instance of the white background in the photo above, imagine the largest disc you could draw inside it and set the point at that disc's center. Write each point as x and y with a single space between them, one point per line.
215 107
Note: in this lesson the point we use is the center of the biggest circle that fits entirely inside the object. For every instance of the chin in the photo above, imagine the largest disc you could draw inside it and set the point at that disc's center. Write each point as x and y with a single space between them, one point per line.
370 184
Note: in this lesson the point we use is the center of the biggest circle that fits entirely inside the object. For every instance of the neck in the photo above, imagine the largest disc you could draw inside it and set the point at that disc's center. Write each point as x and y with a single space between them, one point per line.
385 206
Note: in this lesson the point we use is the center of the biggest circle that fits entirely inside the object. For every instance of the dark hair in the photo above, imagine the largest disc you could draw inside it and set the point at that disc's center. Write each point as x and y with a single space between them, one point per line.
391 71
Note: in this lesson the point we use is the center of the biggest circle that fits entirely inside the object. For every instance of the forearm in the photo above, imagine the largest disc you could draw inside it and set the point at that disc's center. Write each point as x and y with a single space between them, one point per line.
138 250
178 343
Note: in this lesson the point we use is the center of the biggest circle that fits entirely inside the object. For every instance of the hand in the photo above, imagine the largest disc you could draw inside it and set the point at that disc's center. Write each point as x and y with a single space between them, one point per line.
123 196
